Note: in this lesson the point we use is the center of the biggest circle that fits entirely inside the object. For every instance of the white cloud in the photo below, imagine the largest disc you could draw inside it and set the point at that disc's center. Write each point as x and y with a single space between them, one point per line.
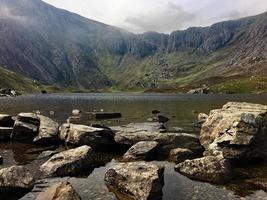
161 15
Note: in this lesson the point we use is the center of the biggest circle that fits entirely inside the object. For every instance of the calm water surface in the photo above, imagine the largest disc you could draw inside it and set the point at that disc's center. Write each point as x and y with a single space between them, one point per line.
180 109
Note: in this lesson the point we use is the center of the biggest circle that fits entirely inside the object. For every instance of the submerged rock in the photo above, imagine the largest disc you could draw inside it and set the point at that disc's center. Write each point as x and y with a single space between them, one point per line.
97 138
141 151
179 155
128 135
211 169
137 181
5 133
59 191
16 177
67 163
6 120
237 132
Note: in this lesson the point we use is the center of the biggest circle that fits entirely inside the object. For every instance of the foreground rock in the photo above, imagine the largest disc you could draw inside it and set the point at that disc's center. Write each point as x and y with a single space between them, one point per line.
16 177
141 151
237 132
137 181
211 169
97 138
179 155
127 135
202 117
35 128
59 191
67 163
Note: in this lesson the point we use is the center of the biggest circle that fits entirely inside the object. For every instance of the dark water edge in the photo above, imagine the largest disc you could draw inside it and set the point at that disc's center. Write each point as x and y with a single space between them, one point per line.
134 108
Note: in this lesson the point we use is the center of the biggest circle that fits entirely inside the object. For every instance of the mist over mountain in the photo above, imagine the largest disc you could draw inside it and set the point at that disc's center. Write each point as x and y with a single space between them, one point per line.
56 47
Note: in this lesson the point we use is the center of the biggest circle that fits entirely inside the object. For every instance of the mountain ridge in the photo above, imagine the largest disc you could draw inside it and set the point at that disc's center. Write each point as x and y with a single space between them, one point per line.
57 47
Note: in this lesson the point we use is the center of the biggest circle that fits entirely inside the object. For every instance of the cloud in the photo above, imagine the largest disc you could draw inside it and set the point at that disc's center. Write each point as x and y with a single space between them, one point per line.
168 18
5 13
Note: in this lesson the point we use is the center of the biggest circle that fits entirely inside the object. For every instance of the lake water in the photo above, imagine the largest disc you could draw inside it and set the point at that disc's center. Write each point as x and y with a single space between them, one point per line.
181 109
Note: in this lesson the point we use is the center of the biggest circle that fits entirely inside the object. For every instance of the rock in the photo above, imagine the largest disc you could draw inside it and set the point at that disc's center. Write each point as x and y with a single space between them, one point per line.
202 117
162 119
202 90
128 135
16 177
141 151
76 112
102 115
140 127
237 132
155 112
35 128
211 169
5 133
179 155
97 138
59 191
137 180
259 183
48 131
67 163
6 120
1 160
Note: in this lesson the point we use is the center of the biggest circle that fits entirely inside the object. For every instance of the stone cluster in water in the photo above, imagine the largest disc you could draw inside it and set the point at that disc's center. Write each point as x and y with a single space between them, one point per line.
235 134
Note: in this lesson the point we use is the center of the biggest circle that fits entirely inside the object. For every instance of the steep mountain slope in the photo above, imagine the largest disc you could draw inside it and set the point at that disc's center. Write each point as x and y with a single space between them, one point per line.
61 48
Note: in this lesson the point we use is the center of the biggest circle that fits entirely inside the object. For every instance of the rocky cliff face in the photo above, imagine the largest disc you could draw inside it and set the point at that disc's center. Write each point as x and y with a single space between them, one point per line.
57 47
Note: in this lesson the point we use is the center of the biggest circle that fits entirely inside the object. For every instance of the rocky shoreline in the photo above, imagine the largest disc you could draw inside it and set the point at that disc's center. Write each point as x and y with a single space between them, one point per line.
231 136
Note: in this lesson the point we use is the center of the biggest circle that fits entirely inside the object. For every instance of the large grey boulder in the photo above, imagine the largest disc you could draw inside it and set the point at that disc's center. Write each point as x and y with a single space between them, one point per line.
35 128
69 162
143 150
211 169
59 191
16 177
97 138
167 141
238 132
6 120
136 180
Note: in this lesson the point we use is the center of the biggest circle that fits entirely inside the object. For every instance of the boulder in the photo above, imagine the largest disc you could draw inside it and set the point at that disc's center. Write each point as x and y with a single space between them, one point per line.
5 133
179 155
48 131
211 169
143 150
35 128
98 138
136 180
59 191
76 112
69 162
16 177
6 120
238 132
129 136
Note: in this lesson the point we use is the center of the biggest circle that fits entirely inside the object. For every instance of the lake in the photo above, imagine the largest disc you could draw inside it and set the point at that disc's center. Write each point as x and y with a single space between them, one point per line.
181 109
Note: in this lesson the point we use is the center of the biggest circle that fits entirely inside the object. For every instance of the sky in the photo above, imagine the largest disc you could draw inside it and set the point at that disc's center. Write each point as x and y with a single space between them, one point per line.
161 15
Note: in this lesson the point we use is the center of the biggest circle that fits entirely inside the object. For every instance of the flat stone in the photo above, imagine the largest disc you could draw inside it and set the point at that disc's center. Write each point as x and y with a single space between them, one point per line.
136 180
179 155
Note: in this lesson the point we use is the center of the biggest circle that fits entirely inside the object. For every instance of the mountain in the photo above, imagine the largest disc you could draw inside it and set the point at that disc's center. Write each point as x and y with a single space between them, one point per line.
57 47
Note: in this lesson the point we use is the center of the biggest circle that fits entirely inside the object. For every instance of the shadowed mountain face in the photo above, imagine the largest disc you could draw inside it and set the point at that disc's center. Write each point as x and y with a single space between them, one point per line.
57 47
